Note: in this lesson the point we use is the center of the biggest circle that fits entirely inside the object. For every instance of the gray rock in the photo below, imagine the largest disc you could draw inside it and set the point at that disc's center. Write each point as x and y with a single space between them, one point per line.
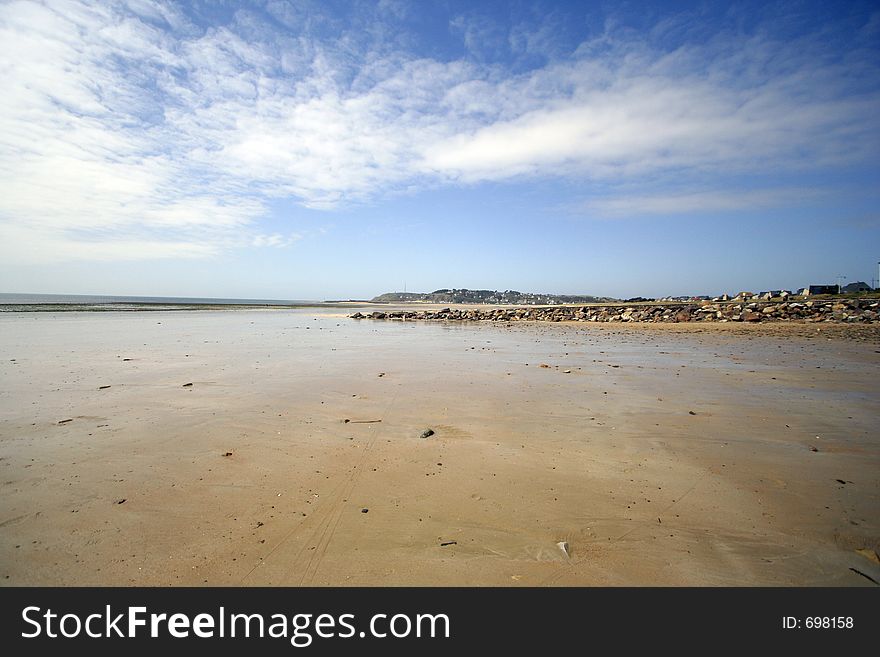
865 311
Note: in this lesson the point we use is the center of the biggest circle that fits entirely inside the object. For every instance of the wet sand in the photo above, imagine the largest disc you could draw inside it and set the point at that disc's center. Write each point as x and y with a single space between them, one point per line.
667 455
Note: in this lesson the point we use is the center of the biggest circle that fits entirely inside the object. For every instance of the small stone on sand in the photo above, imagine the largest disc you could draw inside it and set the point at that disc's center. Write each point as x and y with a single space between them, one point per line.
869 554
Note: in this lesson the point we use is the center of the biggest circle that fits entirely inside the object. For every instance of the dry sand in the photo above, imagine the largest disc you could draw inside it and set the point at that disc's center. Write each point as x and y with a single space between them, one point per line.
664 456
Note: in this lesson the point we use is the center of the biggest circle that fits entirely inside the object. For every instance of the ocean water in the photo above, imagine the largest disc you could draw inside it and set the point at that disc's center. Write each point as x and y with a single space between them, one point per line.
24 302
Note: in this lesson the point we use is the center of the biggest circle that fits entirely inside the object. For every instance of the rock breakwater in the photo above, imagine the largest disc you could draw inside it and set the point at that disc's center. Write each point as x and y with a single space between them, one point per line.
849 310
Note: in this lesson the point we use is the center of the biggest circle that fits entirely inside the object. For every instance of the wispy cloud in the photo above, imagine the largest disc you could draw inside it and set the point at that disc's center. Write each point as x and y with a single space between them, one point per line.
89 168
276 240
636 111
134 130
703 202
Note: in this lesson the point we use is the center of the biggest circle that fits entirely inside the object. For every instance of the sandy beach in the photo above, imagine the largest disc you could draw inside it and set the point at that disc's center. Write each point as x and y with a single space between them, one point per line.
282 447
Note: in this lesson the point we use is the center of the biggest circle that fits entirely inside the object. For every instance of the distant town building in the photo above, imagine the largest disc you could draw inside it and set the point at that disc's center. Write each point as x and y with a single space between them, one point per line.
859 286
821 289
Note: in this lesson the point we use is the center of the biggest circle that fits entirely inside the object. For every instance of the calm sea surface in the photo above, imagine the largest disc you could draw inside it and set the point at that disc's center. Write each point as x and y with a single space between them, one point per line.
61 302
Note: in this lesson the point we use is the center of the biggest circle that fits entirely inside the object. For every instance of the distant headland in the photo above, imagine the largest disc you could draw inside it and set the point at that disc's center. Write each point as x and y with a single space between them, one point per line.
515 298
447 295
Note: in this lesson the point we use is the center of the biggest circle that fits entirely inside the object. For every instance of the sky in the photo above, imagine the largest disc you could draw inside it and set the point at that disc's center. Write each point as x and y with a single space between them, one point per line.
325 149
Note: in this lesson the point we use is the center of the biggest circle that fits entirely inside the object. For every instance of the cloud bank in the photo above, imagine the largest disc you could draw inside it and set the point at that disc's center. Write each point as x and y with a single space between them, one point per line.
134 130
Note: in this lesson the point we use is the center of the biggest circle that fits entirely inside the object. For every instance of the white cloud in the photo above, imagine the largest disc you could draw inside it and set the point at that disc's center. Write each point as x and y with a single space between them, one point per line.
276 240
642 122
87 169
703 202
128 131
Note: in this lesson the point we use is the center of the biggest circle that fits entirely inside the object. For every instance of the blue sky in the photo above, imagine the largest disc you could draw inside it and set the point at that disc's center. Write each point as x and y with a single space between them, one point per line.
343 149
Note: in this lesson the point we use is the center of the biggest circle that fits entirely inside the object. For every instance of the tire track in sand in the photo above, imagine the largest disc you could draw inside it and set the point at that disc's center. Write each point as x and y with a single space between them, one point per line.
329 515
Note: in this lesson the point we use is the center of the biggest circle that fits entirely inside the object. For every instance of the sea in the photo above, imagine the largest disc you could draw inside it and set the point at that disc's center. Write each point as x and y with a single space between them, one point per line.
17 302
